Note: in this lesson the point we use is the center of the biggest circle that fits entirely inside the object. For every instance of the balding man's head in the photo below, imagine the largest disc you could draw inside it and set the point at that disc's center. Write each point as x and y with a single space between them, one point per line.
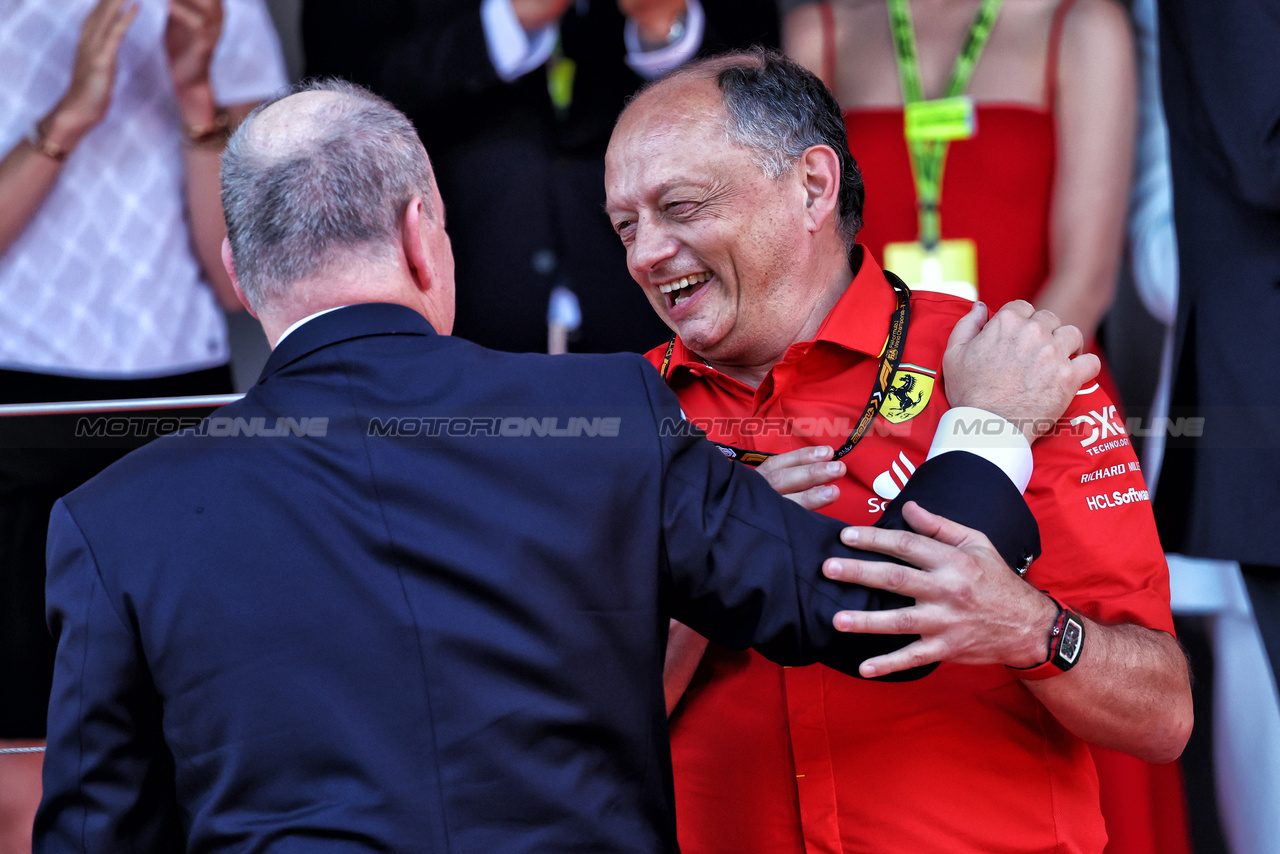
774 107
320 175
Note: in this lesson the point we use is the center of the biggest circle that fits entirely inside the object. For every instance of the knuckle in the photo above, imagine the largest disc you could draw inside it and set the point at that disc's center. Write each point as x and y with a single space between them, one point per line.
896 577
812 500
963 592
903 621
899 541
1017 309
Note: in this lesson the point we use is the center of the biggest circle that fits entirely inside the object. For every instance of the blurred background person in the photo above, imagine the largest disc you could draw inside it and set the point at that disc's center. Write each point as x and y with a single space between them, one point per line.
1039 186
1219 492
515 100
1032 177
113 115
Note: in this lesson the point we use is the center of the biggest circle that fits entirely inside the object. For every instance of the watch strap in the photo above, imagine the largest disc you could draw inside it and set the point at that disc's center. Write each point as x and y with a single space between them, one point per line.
1066 641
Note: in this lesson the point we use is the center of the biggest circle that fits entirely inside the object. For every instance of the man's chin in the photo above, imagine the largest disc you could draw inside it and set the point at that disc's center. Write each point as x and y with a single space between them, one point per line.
697 335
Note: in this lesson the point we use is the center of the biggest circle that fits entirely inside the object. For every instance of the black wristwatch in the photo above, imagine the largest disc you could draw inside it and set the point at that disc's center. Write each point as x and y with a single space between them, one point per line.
1066 640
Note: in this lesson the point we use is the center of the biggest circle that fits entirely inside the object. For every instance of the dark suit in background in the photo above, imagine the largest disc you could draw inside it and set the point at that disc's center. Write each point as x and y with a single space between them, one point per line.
523 184
1220 494
380 636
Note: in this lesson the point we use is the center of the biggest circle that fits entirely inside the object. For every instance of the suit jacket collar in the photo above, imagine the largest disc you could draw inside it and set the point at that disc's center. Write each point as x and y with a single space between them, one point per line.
344 324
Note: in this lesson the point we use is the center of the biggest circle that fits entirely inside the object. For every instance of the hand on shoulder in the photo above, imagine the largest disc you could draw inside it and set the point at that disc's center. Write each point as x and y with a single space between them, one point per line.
1023 365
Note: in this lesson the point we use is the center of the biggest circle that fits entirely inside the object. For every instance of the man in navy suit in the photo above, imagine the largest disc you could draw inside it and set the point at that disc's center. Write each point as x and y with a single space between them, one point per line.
410 594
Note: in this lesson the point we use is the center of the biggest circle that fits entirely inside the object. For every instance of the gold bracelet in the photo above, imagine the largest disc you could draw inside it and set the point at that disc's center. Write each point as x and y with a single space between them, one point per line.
213 134
46 146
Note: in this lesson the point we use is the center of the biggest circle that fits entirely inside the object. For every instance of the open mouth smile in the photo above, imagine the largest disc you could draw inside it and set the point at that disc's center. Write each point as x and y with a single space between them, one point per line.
683 289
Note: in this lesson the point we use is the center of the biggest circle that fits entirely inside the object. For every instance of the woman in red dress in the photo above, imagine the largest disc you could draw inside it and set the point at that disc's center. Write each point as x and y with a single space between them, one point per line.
1042 186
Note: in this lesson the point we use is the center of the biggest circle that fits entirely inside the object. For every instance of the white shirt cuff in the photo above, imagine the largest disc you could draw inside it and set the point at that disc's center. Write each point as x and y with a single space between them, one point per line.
513 51
986 434
654 63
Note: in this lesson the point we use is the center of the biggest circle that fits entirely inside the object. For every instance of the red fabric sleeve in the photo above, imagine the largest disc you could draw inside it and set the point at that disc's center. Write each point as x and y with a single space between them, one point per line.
1102 555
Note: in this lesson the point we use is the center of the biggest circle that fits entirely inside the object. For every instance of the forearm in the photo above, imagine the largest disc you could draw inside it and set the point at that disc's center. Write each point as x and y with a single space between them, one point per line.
1081 297
1130 691
204 203
1095 113
685 649
28 174
207 225
26 178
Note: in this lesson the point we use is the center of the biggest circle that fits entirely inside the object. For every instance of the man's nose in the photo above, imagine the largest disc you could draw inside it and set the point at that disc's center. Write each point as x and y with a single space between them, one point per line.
652 246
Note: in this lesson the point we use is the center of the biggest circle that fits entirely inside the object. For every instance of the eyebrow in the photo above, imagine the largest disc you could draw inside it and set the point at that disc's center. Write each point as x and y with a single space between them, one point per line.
661 190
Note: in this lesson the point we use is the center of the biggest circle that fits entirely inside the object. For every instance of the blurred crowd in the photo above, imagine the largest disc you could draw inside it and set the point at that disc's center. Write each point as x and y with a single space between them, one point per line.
1113 162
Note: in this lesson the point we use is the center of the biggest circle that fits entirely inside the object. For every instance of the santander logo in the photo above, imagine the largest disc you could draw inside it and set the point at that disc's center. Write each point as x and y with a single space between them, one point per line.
889 483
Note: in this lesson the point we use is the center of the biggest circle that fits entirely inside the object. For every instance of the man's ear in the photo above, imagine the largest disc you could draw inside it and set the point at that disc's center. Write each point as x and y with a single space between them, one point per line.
229 264
413 238
820 176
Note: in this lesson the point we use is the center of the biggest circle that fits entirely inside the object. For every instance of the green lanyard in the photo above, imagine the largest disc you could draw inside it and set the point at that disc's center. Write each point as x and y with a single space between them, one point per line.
929 155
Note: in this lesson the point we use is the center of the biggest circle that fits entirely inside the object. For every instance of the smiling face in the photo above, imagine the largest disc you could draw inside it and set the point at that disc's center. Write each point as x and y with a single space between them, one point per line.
717 245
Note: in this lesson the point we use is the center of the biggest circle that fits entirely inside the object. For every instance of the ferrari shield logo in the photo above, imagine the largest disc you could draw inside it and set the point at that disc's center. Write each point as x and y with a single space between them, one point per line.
909 394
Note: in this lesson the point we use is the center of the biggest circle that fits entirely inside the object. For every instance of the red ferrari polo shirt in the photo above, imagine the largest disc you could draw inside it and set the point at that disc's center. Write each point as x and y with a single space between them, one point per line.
806 759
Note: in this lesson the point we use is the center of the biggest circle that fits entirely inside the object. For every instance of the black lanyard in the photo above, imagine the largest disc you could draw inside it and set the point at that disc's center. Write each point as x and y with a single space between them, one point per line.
884 379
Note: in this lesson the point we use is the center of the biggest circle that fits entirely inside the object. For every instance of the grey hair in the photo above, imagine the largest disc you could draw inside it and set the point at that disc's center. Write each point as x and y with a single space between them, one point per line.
778 109
341 191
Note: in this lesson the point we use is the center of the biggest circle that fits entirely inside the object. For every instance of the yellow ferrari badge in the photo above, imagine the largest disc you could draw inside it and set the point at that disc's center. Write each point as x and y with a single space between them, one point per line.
909 394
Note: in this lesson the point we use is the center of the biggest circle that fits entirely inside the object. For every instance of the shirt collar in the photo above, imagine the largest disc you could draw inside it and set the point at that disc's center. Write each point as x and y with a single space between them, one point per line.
298 323
858 321
860 318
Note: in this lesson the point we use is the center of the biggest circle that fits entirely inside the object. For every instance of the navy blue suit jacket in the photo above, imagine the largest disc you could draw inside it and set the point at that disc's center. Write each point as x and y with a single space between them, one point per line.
424 607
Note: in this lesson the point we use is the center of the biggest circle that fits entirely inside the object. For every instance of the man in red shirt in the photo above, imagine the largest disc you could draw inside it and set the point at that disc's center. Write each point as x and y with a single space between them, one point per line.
733 190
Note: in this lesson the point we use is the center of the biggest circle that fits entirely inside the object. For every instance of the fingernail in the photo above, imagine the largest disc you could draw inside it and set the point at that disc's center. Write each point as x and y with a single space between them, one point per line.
827 493
831 568
843 622
834 468
821 452
850 536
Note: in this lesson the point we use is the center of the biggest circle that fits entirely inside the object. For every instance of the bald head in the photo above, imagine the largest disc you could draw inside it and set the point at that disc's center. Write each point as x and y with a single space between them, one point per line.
317 178
295 126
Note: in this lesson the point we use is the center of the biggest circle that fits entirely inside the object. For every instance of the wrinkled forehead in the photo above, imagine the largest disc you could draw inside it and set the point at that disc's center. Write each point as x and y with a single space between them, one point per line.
679 122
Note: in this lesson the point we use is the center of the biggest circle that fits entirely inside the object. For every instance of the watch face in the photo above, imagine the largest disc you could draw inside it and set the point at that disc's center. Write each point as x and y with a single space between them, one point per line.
1072 635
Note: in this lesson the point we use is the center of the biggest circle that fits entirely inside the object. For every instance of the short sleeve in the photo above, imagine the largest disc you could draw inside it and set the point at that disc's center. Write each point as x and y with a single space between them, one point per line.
248 64
1102 555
